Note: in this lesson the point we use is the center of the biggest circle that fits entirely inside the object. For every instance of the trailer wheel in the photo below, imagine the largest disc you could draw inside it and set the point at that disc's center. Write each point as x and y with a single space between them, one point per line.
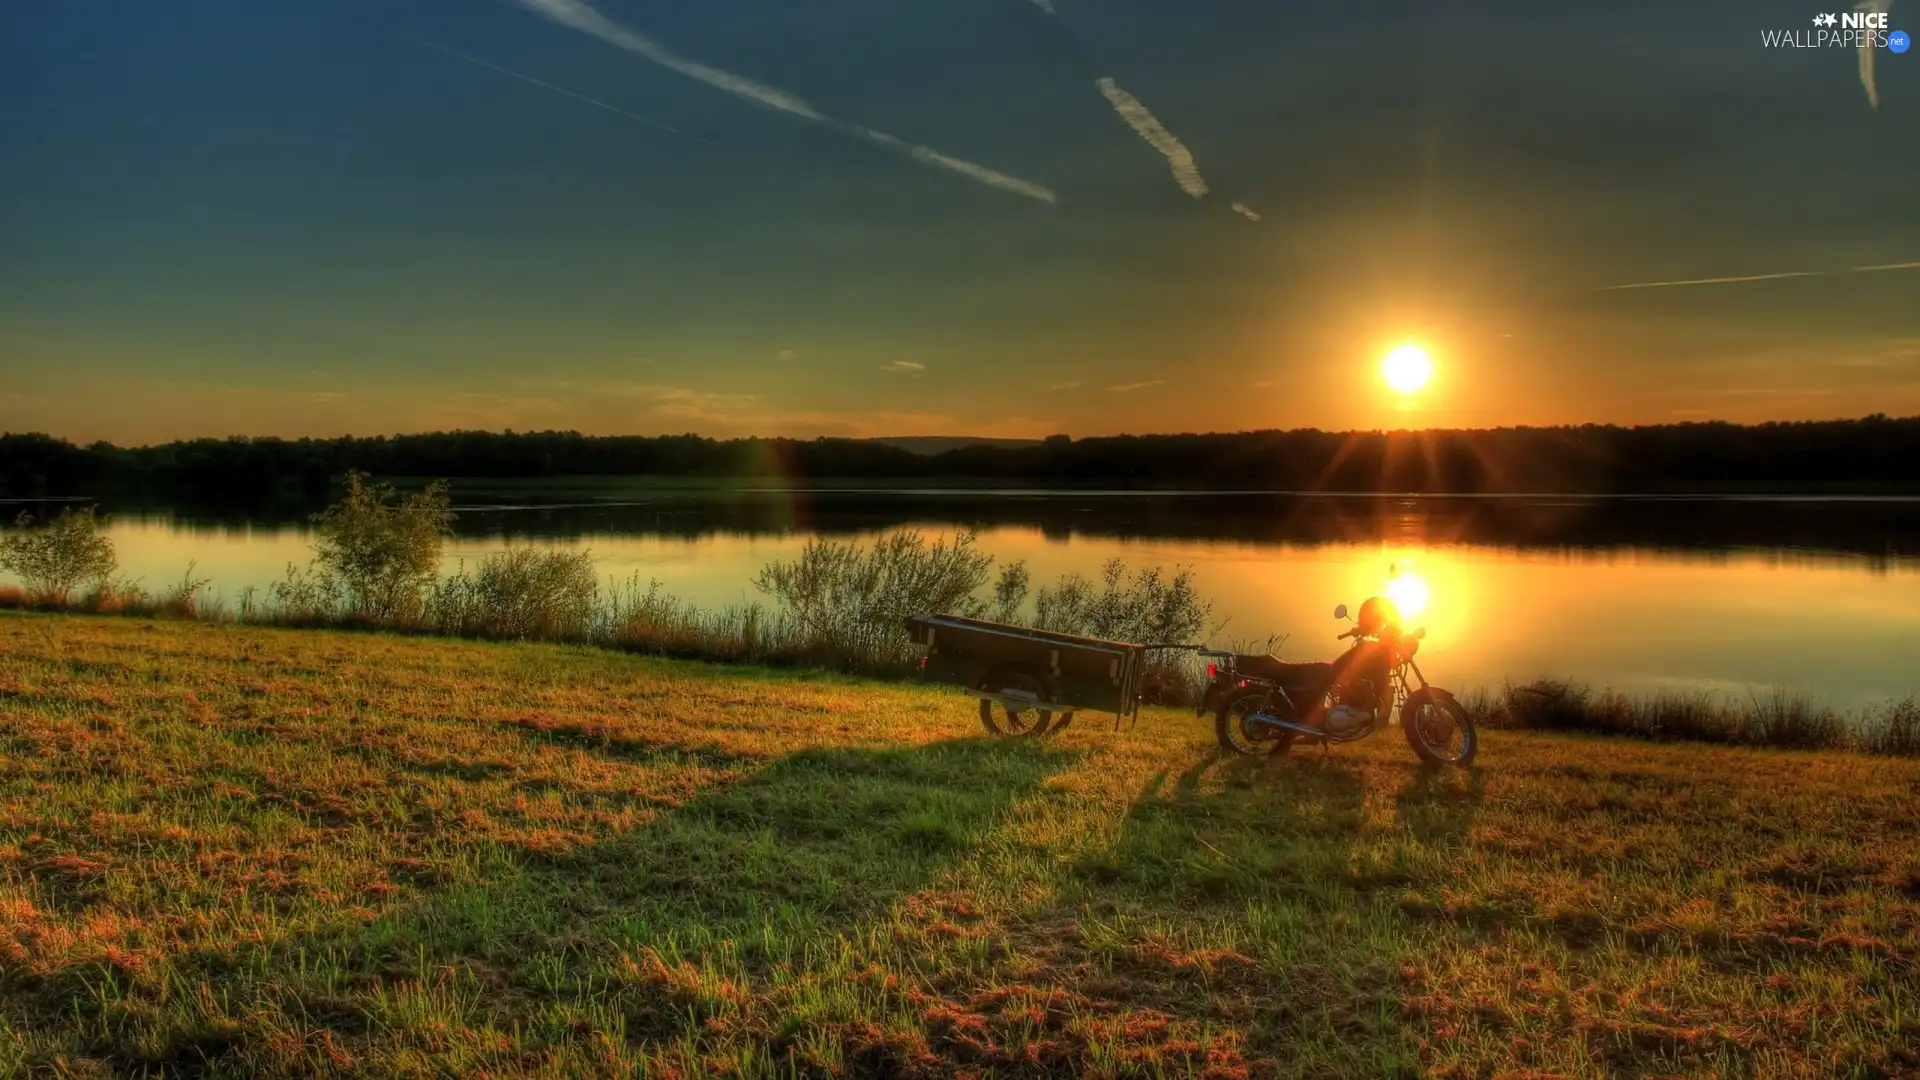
1011 722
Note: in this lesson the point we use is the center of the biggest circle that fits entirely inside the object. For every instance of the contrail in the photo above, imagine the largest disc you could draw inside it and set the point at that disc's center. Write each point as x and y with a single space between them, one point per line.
1880 7
581 17
1766 277
1185 172
648 120
930 156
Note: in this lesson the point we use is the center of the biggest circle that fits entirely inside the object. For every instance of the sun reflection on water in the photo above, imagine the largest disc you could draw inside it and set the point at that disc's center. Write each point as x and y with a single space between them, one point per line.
1408 591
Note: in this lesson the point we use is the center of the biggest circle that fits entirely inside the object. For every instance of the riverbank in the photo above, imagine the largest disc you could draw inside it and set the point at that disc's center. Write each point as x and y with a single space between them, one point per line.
265 852
644 620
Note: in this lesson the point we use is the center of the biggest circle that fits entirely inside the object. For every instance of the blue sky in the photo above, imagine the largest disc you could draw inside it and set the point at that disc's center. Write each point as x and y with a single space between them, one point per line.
305 218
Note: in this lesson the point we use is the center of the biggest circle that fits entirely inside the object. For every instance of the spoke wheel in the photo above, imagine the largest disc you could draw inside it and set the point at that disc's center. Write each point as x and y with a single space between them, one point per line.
1439 730
1010 721
1239 733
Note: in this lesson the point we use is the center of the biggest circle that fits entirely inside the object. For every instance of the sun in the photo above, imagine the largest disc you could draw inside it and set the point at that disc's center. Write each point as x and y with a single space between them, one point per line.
1407 369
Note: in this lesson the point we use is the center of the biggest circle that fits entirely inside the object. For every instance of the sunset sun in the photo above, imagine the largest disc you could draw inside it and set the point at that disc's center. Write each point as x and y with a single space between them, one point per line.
1407 369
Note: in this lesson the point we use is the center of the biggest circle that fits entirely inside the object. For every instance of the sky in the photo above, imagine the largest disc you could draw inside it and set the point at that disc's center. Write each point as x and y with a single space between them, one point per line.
984 217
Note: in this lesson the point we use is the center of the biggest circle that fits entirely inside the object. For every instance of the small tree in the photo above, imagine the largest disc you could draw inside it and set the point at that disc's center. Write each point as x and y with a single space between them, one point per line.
54 559
382 549
1151 608
1010 591
855 601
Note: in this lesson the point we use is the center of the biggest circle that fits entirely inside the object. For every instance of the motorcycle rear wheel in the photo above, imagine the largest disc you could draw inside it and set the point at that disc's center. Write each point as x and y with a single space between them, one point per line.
1234 727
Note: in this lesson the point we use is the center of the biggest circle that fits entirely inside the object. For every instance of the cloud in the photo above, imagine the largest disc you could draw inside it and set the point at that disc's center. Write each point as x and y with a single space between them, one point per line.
1893 353
676 395
1879 268
1246 211
1125 387
582 17
904 367
1868 48
1185 172
648 120
1062 385
786 356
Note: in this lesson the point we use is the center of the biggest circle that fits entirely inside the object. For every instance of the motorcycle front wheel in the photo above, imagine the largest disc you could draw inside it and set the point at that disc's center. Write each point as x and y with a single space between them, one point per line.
1439 729
1239 733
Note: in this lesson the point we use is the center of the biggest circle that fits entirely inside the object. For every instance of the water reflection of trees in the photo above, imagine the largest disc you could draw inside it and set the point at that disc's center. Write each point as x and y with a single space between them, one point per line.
1884 530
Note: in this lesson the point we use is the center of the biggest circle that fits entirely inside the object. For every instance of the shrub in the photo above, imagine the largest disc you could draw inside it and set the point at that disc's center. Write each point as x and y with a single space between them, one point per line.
853 603
55 558
1010 591
1895 732
1146 608
383 550
303 597
182 600
116 596
518 593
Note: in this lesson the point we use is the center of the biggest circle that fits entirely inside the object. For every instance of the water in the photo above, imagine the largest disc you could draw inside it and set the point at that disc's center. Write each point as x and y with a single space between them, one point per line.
1735 596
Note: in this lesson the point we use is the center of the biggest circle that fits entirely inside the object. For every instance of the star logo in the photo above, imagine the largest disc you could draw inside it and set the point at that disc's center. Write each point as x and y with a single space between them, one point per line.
1824 20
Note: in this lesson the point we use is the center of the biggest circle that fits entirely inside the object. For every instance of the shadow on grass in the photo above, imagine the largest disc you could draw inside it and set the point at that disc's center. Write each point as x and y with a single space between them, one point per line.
1244 917
763 871
596 956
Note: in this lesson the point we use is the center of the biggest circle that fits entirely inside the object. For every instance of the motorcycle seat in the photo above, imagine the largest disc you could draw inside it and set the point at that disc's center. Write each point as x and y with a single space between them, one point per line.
1264 666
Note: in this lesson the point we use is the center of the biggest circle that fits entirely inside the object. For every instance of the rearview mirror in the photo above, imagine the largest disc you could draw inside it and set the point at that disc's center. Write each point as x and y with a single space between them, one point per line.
1340 612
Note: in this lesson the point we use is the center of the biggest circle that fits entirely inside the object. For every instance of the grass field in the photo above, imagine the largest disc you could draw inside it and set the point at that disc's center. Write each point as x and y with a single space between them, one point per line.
236 851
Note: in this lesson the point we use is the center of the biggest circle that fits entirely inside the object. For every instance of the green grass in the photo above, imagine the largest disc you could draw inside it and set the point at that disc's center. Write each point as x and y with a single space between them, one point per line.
240 851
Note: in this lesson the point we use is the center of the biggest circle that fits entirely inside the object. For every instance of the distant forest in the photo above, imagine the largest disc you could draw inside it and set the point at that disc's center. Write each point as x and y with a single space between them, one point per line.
1874 453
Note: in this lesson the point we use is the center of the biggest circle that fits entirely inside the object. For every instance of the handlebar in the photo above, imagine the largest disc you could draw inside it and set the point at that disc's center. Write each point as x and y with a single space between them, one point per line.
1416 635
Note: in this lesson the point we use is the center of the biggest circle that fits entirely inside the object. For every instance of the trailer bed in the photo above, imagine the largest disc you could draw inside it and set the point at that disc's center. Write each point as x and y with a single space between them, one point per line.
1076 673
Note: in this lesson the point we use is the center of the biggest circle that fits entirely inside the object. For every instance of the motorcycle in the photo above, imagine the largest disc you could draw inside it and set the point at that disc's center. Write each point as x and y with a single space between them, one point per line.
1263 705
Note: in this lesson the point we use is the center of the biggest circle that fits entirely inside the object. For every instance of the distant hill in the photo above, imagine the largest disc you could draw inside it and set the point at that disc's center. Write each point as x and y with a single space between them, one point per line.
940 444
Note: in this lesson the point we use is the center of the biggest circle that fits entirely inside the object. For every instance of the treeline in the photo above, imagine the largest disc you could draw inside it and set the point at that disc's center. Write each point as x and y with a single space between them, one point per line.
1873 451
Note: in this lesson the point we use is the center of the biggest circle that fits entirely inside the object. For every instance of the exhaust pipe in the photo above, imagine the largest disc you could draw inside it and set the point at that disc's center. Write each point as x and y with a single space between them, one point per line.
1274 721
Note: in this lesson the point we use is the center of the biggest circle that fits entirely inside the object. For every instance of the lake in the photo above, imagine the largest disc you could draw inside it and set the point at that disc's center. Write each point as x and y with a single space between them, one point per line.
1726 595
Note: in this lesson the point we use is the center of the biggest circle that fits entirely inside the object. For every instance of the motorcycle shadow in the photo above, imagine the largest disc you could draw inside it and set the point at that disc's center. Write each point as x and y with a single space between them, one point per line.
1439 804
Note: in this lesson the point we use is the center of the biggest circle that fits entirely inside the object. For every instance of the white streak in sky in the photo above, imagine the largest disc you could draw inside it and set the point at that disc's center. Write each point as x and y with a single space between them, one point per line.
1129 387
549 86
1867 49
1766 277
1046 6
1185 172
581 17
1246 211
929 156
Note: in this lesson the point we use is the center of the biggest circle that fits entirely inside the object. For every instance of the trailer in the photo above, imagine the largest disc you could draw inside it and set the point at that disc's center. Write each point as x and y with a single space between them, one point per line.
1033 676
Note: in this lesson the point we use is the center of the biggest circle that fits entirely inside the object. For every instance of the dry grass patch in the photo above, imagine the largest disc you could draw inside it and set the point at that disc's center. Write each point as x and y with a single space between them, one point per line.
229 850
